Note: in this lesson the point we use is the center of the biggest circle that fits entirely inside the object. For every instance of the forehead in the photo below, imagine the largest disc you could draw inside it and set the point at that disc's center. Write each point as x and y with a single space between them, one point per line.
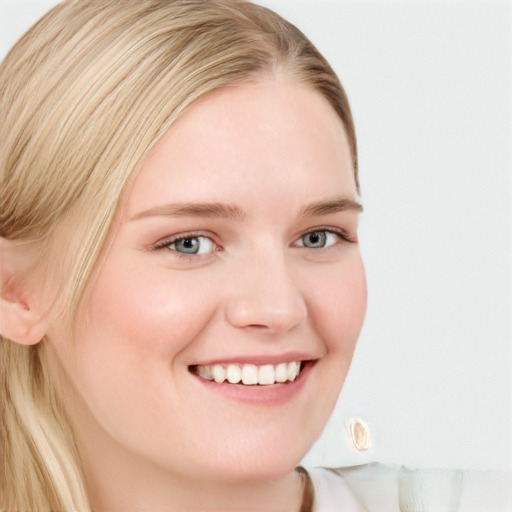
248 141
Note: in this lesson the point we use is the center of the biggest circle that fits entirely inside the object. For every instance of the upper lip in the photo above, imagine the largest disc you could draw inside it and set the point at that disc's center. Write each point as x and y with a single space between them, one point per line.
259 359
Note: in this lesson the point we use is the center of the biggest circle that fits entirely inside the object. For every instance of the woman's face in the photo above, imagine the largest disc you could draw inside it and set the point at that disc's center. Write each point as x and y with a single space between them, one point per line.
235 256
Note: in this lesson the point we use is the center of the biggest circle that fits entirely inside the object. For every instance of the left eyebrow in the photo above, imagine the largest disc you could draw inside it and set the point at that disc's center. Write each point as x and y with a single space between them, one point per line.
331 206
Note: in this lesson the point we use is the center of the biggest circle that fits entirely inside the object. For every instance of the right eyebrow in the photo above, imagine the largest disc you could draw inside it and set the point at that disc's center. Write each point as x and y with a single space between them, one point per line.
193 210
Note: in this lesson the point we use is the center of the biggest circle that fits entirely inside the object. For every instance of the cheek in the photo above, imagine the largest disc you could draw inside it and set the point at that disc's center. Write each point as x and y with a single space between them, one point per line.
336 311
338 308
147 310
132 330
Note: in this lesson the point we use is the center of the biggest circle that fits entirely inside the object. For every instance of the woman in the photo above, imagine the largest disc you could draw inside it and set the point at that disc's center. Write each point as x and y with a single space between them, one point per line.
182 288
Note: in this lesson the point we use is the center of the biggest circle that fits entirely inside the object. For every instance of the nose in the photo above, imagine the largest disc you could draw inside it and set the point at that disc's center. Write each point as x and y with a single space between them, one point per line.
265 296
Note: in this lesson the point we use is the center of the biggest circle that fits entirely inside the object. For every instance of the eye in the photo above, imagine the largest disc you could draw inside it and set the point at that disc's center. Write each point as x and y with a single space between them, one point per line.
188 245
193 245
318 239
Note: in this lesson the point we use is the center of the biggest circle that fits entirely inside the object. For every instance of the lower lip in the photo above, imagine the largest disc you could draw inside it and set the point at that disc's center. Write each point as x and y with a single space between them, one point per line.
275 394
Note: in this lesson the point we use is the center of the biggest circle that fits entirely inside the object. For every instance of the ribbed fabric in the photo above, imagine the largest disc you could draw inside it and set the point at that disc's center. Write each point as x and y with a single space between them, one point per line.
380 488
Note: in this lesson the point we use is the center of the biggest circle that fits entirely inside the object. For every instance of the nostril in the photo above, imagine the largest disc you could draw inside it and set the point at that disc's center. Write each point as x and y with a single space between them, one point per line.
275 315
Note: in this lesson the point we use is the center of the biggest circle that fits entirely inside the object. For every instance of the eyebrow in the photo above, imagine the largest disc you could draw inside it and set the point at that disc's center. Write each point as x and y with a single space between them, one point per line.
331 206
227 211
193 210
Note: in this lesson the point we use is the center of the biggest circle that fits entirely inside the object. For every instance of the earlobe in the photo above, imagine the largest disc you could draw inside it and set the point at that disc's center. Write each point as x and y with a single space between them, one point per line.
20 320
19 323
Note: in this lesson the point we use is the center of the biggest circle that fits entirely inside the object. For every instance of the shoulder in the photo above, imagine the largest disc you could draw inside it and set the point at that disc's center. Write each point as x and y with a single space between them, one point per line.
377 487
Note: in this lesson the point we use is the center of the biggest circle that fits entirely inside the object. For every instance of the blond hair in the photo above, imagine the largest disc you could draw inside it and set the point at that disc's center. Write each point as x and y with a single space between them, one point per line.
85 94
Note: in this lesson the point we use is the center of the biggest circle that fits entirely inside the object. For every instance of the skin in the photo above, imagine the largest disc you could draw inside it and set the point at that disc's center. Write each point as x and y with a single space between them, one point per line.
153 437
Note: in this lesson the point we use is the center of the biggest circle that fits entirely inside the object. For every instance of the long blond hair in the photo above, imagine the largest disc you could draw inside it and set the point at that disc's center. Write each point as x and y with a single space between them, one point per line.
84 95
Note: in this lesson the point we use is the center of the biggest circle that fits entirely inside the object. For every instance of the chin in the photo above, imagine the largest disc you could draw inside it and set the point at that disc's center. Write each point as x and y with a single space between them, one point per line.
259 458
241 471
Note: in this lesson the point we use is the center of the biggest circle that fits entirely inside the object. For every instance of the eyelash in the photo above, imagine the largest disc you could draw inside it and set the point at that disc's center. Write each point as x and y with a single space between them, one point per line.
344 235
165 244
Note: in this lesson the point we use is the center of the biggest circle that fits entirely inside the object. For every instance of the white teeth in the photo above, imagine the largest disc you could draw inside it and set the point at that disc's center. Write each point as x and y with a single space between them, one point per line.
234 374
205 372
249 374
266 375
292 370
219 374
281 373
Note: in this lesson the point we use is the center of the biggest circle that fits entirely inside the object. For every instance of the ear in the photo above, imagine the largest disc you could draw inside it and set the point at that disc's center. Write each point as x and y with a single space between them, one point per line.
20 317
20 323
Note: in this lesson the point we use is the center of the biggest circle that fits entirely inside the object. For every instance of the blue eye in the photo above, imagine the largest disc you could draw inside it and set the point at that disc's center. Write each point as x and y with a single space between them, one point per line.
192 245
318 239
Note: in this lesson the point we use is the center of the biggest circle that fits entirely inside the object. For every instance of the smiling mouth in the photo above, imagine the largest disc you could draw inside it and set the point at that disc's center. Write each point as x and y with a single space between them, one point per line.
250 374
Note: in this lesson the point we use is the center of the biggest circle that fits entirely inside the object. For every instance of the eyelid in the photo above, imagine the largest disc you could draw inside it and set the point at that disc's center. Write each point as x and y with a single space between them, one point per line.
165 242
342 233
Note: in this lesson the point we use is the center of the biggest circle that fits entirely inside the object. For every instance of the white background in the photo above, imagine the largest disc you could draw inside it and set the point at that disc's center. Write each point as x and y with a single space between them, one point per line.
430 86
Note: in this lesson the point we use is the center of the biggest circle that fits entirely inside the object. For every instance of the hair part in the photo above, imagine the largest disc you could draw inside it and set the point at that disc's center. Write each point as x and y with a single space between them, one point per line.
84 96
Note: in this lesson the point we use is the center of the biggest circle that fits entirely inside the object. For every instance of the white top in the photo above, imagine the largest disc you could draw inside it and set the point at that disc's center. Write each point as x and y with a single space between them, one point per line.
379 488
